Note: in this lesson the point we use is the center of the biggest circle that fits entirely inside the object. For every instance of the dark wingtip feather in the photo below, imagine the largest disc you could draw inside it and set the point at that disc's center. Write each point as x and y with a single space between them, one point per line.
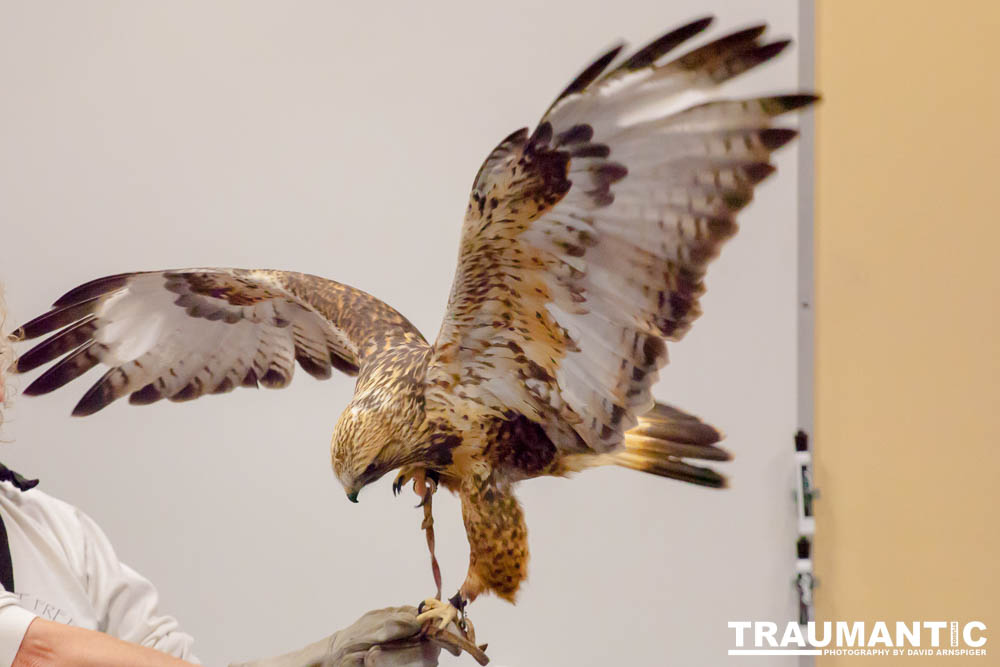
698 25
102 394
316 369
250 380
97 287
608 173
776 137
768 51
34 389
145 396
590 74
542 135
93 401
274 379
744 35
757 171
662 45
224 387
56 318
780 104
82 410
735 42
67 370
580 133
56 345
744 57
343 365
191 391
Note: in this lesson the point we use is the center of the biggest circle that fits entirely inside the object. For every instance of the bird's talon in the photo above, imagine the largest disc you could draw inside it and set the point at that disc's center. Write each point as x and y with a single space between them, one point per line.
424 482
397 484
442 613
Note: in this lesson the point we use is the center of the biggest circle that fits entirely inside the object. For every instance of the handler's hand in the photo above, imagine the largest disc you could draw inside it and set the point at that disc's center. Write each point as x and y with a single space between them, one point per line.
383 638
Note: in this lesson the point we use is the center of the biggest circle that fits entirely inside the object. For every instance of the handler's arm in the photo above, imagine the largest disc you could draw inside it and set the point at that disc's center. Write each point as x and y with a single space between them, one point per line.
384 638
50 643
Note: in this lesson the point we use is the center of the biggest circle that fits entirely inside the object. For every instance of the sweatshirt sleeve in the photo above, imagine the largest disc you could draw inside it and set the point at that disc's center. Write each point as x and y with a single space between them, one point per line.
14 622
127 604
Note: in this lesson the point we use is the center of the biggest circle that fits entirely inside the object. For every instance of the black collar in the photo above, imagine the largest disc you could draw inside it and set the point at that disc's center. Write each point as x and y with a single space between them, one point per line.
18 480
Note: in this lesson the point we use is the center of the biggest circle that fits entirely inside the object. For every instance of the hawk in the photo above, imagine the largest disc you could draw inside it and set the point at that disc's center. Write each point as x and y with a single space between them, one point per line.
583 250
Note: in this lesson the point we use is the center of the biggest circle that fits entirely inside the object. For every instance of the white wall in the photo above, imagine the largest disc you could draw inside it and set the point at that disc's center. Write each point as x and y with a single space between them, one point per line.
342 141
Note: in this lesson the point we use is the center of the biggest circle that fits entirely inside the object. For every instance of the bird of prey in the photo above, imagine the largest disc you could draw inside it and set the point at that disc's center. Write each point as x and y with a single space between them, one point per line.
583 250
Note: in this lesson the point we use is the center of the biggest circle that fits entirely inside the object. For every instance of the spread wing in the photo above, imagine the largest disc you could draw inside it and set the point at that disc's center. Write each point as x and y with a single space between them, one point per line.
182 334
585 243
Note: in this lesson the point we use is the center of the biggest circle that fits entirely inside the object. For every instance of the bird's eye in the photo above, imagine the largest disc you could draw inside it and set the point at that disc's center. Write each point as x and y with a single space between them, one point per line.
369 470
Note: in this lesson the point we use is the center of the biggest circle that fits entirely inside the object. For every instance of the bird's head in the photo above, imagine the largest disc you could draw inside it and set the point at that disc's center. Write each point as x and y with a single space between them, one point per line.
366 445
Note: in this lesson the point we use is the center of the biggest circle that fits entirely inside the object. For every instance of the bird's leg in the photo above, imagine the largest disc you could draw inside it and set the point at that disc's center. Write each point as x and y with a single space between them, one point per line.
428 527
459 602
437 615
425 484
425 487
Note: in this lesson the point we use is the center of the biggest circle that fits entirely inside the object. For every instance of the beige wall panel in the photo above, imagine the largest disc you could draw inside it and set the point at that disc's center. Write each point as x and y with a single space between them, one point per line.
908 317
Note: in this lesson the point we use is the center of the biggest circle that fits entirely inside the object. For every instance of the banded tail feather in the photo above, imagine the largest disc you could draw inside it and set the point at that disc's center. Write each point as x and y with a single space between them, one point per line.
663 442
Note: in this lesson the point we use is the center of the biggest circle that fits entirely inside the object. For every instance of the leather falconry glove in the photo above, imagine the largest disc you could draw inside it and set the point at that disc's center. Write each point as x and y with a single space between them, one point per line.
381 638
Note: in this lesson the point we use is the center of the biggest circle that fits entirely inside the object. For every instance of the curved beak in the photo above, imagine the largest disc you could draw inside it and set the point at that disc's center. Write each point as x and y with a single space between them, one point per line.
353 496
